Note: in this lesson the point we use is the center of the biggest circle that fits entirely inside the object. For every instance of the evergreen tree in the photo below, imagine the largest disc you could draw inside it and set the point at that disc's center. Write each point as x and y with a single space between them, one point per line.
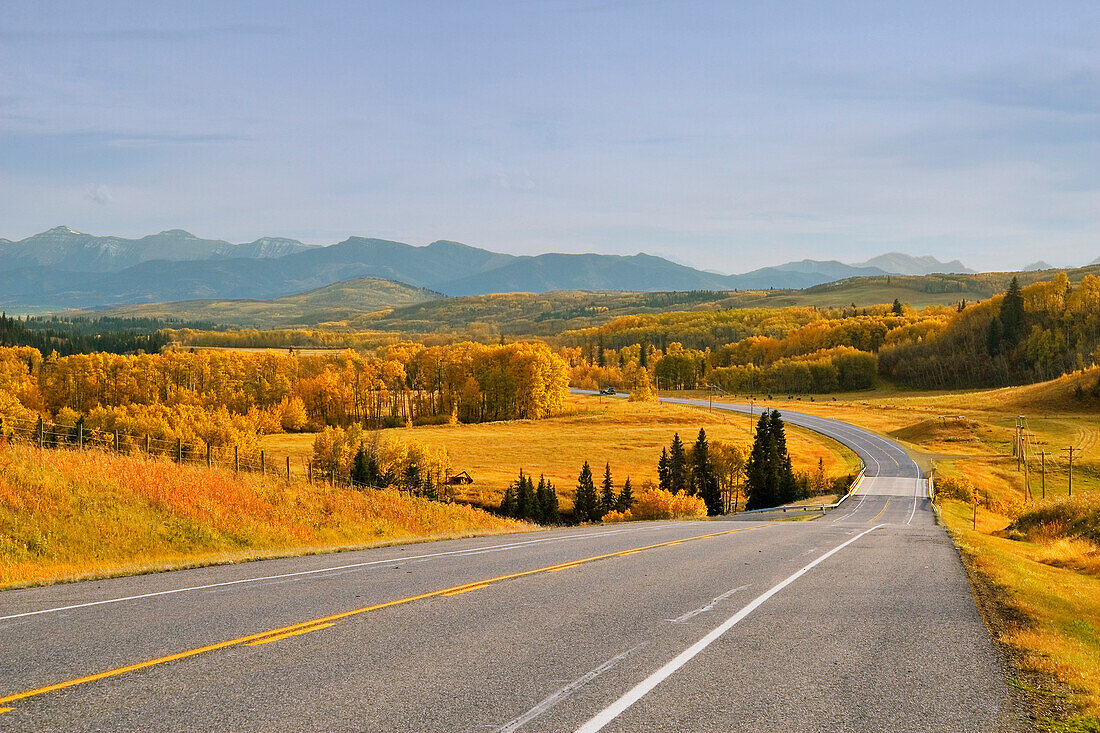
663 480
607 495
760 484
769 478
897 309
508 503
788 488
704 480
525 497
412 477
626 497
677 463
428 488
547 500
643 354
601 358
1012 313
994 336
585 503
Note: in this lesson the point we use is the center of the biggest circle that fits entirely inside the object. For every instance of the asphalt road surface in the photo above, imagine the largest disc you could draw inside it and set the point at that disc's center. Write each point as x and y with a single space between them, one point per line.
859 620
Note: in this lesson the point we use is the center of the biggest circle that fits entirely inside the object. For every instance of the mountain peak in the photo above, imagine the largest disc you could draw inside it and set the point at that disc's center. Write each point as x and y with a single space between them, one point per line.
62 230
177 233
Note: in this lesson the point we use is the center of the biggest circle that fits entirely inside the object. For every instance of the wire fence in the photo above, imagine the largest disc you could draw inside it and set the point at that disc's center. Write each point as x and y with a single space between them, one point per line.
79 437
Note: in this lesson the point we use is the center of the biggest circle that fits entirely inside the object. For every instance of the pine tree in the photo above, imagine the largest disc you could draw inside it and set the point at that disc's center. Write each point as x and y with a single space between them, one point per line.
663 480
547 500
787 487
704 480
508 503
761 489
897 308
994 337
607 495
585 503
643 354
428 488
626 497
525 497
677 463
1012 313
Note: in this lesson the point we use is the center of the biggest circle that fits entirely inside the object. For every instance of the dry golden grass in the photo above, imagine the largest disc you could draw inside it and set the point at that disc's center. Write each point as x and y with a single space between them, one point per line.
66 515
1061 603
628 435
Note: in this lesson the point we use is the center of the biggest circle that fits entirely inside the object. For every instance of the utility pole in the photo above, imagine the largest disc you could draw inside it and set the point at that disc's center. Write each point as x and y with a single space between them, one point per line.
1070 450
1043 456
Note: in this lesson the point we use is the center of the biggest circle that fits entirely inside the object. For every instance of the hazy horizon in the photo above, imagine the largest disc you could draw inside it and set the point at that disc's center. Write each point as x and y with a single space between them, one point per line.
721 137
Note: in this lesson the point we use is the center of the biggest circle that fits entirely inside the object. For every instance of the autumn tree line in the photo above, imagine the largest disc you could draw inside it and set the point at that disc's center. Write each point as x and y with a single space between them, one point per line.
229 397
1031 333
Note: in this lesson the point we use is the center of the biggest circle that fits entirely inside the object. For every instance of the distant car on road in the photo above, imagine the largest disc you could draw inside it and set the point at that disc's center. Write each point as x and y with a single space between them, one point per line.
610 391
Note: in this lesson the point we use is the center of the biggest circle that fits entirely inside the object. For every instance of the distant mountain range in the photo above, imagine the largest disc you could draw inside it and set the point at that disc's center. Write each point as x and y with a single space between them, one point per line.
66 268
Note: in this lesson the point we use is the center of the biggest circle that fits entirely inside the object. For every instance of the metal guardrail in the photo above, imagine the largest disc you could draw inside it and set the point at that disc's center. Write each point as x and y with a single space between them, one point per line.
813 507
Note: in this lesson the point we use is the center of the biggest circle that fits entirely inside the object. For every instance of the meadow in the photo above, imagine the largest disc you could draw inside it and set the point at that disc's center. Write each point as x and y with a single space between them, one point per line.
627 435
68 515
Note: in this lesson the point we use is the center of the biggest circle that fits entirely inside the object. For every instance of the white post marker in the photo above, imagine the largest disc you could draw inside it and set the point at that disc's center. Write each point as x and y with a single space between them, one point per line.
642 688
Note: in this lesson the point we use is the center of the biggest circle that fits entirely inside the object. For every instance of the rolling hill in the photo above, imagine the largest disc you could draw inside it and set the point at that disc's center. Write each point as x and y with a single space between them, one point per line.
337 302
380 305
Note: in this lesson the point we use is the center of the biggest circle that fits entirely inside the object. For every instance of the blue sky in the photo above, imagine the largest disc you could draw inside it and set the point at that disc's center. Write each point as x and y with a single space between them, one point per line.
725 135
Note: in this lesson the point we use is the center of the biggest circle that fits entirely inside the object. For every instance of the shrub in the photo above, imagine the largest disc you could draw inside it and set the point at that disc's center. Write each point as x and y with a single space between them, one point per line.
654 503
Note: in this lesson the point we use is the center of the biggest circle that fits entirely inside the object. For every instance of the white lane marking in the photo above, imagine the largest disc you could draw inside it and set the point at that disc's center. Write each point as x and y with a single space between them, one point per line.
616 708
300 573
913 511
709 607
861 500
563 693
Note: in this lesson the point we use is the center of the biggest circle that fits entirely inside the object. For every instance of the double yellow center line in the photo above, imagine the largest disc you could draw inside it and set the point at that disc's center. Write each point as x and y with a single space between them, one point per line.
285 632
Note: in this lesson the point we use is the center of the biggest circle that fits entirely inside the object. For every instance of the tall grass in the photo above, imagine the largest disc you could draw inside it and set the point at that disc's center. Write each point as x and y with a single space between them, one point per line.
67 515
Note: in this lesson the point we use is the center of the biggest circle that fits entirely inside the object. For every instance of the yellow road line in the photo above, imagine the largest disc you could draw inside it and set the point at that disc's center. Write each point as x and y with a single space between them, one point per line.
289 634
4 710
880 513
466 590
282 631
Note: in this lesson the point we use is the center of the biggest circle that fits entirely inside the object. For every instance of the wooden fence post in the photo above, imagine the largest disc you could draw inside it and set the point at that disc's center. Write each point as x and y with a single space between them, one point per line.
179 450
208 455
309 472
236 461
41 433
117 445
263 464
288 469
146 447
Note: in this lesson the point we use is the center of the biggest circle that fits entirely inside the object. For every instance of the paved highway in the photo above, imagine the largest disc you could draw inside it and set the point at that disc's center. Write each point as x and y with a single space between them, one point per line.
859 620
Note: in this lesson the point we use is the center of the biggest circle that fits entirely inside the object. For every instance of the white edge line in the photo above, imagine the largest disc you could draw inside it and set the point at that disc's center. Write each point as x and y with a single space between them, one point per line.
470 550
642 688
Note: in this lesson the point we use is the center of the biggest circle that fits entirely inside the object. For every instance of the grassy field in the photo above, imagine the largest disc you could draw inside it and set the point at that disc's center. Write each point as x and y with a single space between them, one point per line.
628 435
1046 581
67 515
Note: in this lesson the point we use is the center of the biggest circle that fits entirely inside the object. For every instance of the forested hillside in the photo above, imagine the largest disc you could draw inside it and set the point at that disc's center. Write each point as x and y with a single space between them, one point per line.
1029 334
1032 333
85 335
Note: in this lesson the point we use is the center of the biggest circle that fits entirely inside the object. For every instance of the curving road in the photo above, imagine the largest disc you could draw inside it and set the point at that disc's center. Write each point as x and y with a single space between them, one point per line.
858 620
